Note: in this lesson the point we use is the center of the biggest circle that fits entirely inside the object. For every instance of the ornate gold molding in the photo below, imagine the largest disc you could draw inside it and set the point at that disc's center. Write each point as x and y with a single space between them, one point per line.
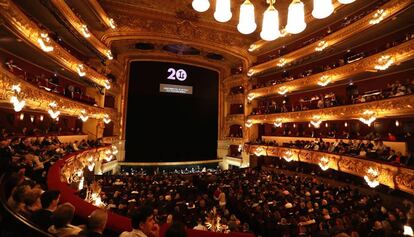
399 53
383 108
30 32
39 99
339 36
100 12
392 176
235 118
77 24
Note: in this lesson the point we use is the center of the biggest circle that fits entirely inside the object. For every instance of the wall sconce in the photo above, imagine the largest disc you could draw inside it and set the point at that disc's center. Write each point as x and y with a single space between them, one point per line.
324 80
85 31
384 62
32 118
18 104
249 123
250 72
44 42
258 151
288 156
278 123
240 148
21 116
109 54
54 114
41 118
371 177
112 23
378 16
91 166
397 123
316 121
321 45
346 124
114 150
81 70
282 62
324 163
83 116
250 97
368 117
252 48
282 90
106 119
107 85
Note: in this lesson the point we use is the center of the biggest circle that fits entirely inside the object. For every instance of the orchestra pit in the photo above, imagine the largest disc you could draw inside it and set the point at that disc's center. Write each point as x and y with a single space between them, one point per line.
199 118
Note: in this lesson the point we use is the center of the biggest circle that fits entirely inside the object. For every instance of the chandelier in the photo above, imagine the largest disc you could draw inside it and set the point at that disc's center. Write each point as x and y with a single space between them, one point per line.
270 23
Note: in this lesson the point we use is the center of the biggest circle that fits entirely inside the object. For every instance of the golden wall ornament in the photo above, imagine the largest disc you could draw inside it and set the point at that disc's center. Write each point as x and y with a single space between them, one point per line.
29 31
39 99
339 36
395 177
399 54
383 108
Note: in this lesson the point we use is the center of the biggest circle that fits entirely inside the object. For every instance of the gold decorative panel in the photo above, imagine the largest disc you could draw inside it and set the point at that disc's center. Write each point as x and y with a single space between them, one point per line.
76 23
339 36
399 53
39 99
30 32
383 108
392 176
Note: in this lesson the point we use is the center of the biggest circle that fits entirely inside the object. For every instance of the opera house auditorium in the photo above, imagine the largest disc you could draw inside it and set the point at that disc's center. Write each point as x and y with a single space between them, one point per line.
198 118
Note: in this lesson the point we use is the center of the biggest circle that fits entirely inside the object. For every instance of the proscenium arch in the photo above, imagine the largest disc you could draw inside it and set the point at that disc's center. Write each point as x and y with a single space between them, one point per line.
237 52
156 58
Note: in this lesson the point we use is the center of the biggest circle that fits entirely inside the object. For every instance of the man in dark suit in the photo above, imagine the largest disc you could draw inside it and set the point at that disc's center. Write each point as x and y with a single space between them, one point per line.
43 217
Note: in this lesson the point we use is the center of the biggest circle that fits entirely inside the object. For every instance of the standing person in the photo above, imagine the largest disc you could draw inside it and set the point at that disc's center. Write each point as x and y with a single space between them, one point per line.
143 224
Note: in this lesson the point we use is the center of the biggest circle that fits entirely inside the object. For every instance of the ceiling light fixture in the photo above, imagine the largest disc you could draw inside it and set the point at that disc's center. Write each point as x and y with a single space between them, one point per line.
223 10
296 17
322 8
270 26
247 20
201 5
346 1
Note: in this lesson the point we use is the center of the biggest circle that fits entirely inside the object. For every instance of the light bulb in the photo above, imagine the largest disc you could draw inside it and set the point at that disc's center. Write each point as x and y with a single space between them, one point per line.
270 26
201 5
247 23
296 17
223 11
346 1
322 8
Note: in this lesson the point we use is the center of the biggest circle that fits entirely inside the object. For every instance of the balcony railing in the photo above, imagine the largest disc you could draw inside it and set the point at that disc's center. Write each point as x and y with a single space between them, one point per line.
395 177
390 8
37 98
32 34
396 106
376 62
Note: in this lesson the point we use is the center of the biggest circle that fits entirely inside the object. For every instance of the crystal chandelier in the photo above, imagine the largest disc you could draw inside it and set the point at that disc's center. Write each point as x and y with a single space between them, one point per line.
270 26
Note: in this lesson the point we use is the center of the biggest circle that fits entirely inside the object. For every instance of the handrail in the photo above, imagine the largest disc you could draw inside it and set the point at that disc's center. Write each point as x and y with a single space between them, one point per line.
400 53
396 177
339 36
17 216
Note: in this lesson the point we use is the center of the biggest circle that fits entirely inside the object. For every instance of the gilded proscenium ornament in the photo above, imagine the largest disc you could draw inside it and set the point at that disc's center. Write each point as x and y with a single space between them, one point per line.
30 32
39 99
78 25
404 178
341 35
400 53
395 106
